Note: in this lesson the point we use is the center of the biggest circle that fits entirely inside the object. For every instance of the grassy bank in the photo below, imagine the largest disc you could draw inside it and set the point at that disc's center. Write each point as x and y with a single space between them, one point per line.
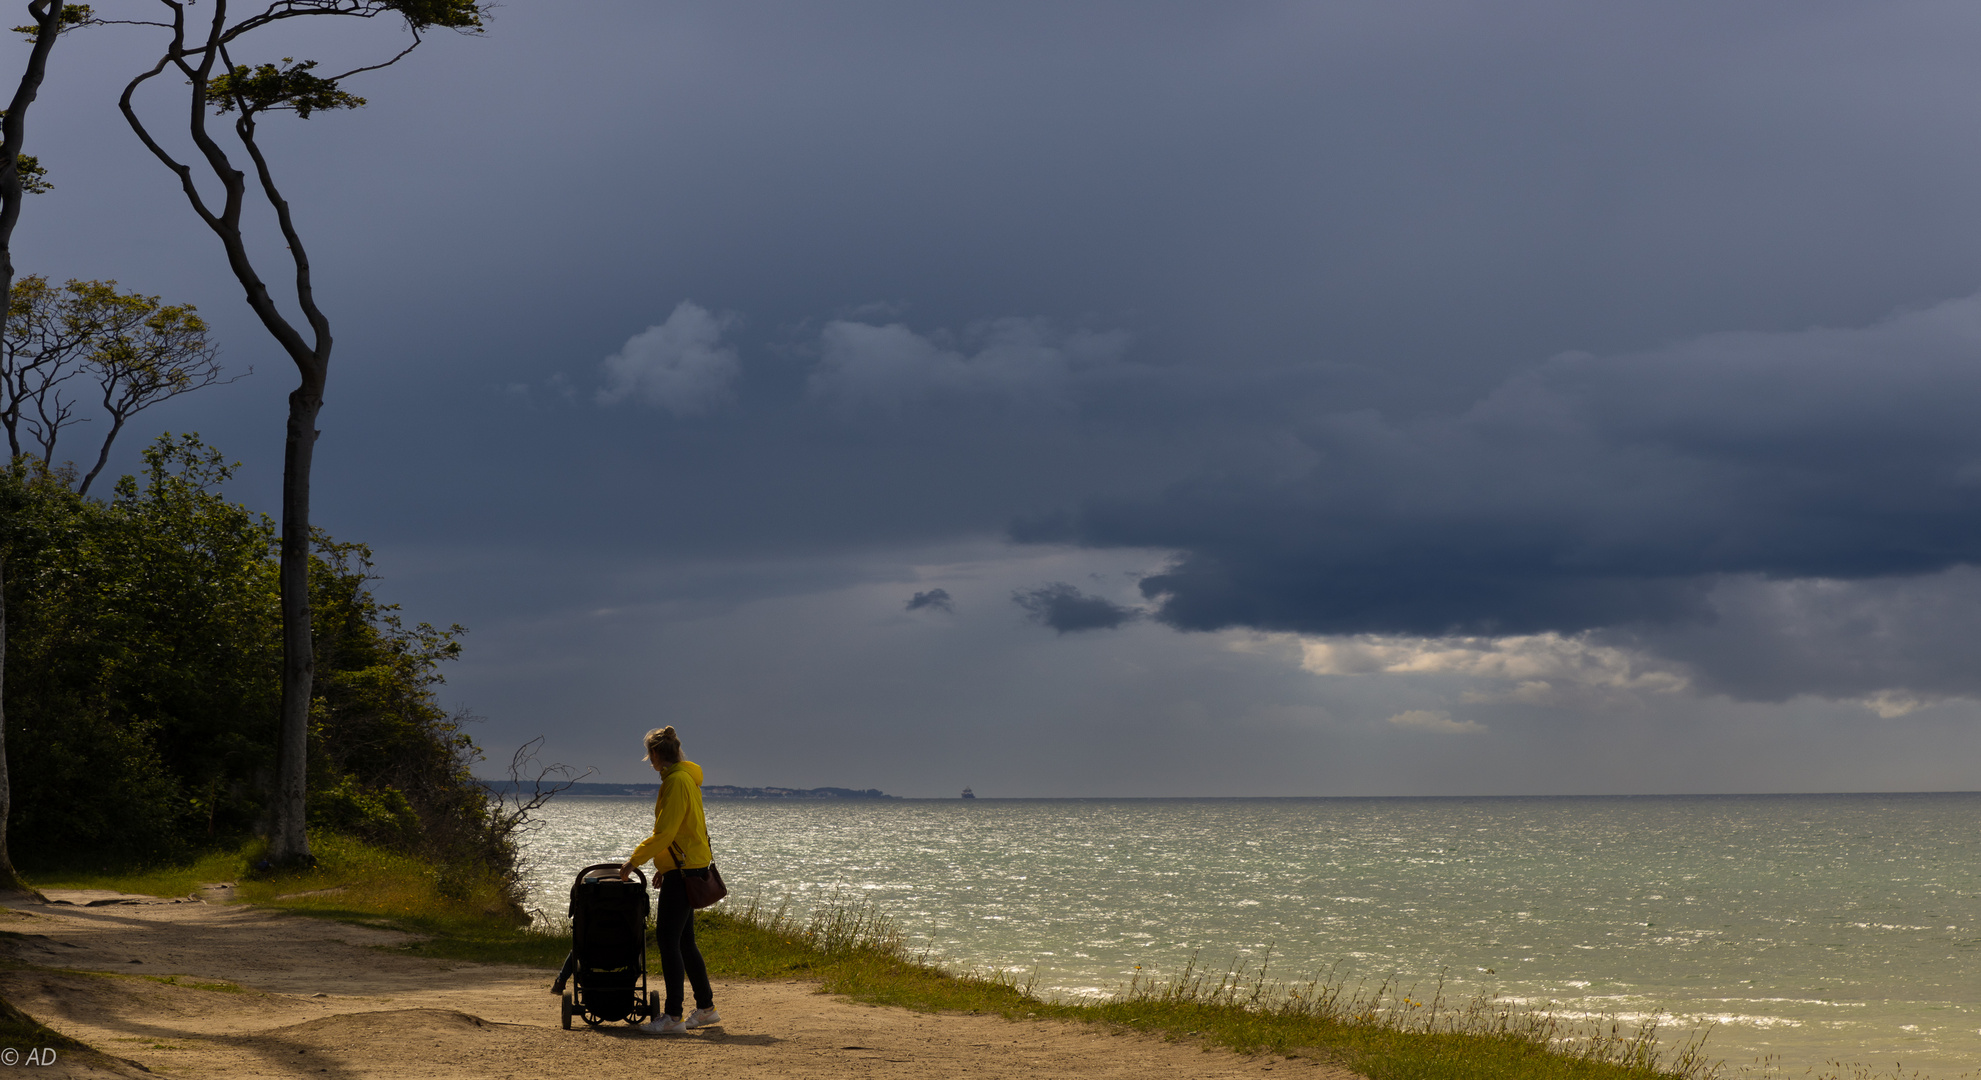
1383 1031
1378 1031
351 880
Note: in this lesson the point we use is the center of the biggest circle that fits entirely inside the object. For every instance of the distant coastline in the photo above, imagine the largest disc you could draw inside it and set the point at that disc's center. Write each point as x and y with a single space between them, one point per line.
713 791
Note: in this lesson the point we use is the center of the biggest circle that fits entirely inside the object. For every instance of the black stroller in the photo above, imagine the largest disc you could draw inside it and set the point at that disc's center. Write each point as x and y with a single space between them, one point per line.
609 948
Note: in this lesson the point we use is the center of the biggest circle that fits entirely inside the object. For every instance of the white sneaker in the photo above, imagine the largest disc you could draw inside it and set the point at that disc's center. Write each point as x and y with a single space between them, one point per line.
702 1018
665 1025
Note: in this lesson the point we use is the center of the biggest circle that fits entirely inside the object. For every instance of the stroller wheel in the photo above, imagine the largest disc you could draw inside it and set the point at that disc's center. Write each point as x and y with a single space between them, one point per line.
567 1012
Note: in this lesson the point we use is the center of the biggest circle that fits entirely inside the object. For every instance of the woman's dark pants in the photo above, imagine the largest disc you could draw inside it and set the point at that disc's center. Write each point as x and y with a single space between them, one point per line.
674 932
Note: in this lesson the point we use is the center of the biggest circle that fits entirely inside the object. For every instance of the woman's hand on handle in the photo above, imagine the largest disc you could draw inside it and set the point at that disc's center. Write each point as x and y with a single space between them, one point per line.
626 871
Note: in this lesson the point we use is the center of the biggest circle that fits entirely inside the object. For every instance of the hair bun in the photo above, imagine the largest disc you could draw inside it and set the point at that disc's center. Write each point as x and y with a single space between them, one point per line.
665 742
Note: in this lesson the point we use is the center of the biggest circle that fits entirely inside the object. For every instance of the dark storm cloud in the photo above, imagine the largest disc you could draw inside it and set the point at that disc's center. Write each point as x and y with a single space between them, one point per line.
1280 208
1068 610
937 599
1270 286
1591 492
1899 642
1654 496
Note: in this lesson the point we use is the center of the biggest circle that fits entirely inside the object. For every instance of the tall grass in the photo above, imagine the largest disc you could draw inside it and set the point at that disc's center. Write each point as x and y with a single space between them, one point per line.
356 878
834 928
851 949
1388 1031
1382 1031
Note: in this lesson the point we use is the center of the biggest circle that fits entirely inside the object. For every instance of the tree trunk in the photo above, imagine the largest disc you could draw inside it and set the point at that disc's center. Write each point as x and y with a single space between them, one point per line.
47 17
288 824
103 455
8 879
288 833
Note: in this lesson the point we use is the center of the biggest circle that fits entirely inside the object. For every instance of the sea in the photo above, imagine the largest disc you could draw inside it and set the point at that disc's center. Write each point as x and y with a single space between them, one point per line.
1800 929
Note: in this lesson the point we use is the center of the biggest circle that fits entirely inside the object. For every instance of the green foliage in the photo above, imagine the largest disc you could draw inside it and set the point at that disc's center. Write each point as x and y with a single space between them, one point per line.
285 87
464 15
96 313
34 176
147 344
138 350
293 86
137 639
381 815
144 683
73 15
387 763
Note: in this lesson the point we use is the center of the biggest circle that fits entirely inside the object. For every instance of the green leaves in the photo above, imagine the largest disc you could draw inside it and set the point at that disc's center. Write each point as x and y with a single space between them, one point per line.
137 350
34 178
452 14
145 635
284 87
94 319
149 358
142 628
73 15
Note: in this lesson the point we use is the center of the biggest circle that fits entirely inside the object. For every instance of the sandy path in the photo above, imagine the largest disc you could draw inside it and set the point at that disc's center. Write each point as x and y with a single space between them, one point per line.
320 1002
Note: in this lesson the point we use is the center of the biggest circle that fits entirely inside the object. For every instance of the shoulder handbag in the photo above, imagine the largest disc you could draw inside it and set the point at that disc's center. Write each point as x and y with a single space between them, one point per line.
705 889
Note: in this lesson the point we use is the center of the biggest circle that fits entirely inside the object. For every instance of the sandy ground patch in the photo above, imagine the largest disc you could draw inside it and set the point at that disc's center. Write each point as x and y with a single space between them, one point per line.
317 1000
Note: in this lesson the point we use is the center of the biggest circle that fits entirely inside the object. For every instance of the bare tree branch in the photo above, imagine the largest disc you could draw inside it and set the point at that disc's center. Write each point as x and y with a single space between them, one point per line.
52 413
42 345
512 813
402 54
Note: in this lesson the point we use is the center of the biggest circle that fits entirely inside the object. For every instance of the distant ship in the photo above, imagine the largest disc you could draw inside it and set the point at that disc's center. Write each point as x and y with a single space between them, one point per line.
968 794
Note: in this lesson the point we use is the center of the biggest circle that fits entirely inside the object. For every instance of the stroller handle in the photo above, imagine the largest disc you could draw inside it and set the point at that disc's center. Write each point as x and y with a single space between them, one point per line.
614 867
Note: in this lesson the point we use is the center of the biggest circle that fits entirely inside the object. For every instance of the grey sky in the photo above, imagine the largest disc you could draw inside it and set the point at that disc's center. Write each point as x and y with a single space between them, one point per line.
1286 398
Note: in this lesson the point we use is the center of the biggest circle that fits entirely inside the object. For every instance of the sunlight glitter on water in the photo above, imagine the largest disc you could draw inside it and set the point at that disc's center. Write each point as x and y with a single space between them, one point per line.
1807 927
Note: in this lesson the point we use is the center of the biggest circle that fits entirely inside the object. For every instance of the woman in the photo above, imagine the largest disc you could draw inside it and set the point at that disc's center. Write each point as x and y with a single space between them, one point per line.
680 836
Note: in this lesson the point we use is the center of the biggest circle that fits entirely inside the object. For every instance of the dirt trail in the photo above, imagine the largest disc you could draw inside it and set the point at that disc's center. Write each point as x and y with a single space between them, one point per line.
319 1001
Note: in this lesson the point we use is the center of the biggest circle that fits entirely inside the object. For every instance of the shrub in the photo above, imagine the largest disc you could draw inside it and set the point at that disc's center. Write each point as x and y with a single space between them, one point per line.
144 682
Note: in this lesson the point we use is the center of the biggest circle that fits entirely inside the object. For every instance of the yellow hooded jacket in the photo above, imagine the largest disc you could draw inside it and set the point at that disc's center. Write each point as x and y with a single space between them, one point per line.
677 819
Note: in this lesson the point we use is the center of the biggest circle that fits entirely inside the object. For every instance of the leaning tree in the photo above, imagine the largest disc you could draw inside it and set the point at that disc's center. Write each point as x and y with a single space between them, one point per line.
20 174
201 45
